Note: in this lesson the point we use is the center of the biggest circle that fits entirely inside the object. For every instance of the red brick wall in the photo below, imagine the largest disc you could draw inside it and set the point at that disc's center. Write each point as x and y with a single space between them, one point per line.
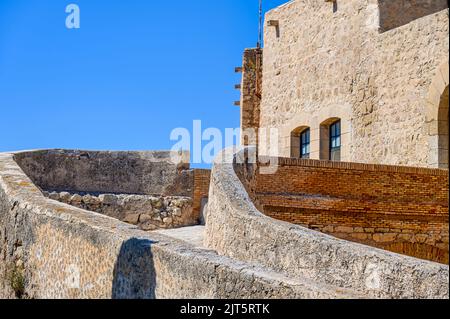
400 209
201 187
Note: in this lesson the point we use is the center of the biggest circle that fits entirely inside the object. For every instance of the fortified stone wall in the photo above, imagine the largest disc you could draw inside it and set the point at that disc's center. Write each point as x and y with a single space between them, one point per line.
143 173
237 229
122 173
401 209
325 60
251 88
52 250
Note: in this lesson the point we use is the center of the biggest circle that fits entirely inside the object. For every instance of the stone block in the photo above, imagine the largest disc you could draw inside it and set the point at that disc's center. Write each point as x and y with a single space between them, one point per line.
343 229
133 218
76 199
384 238
65 197
108 199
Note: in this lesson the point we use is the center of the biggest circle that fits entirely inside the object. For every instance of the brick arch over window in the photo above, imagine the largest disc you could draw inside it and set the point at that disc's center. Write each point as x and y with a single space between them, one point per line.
437 118
295 140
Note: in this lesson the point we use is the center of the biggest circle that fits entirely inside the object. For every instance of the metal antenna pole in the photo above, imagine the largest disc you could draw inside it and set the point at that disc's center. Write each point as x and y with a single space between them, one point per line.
260 25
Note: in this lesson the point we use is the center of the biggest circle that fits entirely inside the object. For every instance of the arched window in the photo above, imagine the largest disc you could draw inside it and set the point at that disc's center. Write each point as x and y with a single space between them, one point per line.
335 141
301 142
305 144
331 140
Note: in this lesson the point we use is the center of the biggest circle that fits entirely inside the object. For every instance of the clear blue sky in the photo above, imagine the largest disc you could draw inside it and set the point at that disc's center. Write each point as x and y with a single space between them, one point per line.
133 71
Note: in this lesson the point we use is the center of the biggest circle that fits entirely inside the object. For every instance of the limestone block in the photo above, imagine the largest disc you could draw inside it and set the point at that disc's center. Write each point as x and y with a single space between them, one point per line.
76 199
134 218
54 196
384 238
360 236
65 197
344 229
108 199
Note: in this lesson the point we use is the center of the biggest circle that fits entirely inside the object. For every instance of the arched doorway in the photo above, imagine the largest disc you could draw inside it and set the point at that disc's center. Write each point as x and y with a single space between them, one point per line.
437 119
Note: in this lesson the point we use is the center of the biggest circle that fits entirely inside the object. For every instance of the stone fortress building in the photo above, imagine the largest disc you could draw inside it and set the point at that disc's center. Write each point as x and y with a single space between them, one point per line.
378 69
356 207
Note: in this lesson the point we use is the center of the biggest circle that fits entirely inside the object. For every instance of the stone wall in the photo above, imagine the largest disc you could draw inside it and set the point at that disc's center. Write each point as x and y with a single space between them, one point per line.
143 173
401 209
394 14
251 87
155 173
237 229
52 250
147 212
327 61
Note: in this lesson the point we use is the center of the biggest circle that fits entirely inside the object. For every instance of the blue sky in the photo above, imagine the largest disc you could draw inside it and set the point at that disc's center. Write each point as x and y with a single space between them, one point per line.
133 71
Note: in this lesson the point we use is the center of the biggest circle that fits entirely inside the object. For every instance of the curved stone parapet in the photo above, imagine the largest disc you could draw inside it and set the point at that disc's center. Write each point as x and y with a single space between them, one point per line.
144 173
236 228
49 249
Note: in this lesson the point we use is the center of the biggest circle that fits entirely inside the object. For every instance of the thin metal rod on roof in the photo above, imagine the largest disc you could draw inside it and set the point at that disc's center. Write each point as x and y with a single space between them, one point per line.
260 25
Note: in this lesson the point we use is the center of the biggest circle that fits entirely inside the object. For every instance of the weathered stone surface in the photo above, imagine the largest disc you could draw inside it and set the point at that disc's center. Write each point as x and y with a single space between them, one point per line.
76 199
62 251
132 218
384 238
235 228
141 210
143 173
373 64
108 199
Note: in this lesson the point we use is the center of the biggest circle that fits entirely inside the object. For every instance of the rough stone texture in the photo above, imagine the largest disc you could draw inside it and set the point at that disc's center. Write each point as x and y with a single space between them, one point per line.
235 228
194 235
143 173
135 173
60 251
147 212
394 14
397 208
326 63
251 87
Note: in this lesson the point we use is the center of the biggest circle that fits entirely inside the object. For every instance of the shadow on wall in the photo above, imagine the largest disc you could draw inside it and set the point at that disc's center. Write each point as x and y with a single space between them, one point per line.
422 251
394 14
134 272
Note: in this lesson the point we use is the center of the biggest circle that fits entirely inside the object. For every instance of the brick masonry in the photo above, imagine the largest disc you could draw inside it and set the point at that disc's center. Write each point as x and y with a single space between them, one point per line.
201 188
401 209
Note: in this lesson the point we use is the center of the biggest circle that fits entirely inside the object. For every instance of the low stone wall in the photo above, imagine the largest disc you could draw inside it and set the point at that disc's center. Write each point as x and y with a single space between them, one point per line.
149 173
52 250
237 229
142 173
147 212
